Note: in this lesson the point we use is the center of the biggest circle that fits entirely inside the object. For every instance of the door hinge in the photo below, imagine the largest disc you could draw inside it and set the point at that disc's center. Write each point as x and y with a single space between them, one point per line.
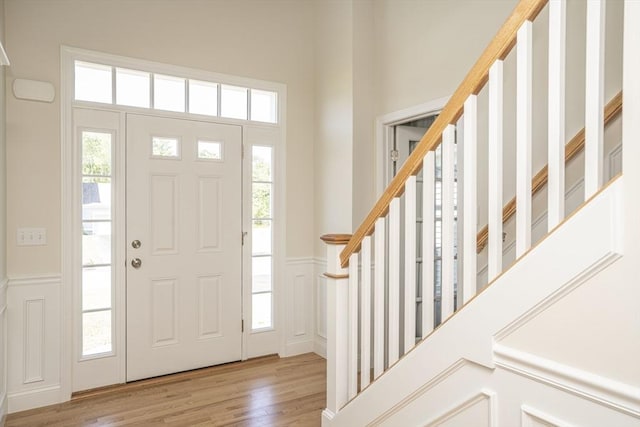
242 327
394 155
244 234
242 150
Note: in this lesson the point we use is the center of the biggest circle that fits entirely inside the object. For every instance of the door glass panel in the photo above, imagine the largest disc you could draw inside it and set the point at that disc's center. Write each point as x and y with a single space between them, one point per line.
96 332
261 237
264 106
209 150
203 98
168 93
96 288
96 243
261 167
261 200
233 102
165 147
261 268
132 88
261 311
93 82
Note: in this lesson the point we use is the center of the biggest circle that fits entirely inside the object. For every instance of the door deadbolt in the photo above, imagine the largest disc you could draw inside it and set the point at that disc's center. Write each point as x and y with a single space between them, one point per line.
136 244
136 263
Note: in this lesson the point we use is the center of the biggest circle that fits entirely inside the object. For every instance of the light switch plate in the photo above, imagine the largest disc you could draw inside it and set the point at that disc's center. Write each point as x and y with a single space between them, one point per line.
31 236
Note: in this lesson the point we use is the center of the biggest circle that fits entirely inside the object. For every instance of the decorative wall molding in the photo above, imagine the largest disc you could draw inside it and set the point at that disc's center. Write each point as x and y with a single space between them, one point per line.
34 344
605 391
439 379
45 279
299 296
531 415
468 403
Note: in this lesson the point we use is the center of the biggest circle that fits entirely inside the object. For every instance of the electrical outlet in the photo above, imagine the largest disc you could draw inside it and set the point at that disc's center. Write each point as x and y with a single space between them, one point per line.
31 236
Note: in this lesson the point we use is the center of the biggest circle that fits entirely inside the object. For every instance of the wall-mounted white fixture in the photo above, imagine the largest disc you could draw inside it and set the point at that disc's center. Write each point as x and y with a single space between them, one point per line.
4 59
33 90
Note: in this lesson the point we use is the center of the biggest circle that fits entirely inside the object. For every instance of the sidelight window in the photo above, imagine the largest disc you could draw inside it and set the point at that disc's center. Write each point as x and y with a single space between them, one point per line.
97 220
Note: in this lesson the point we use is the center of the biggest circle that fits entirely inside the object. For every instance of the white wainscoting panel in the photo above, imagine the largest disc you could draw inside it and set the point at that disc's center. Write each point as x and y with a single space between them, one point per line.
34 342
3 351
299 331
320 307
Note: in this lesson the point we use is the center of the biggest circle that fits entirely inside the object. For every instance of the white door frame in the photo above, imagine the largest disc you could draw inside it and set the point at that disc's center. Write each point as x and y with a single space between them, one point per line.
69 249
384 134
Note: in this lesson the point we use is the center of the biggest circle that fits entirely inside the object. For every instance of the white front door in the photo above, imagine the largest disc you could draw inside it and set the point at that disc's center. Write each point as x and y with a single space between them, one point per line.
184 250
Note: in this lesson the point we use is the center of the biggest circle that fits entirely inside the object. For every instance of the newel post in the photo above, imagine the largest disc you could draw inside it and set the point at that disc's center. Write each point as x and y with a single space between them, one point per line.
337 324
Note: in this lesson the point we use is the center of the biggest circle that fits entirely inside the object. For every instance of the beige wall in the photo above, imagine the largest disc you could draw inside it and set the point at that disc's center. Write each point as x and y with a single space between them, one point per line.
264 40
3 167
334 118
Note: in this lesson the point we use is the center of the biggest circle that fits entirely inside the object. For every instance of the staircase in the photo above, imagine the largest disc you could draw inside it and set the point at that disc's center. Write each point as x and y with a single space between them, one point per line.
553 338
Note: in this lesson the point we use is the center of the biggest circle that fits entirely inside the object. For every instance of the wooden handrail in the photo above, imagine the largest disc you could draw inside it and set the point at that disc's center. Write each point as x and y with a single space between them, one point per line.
498 48
573 147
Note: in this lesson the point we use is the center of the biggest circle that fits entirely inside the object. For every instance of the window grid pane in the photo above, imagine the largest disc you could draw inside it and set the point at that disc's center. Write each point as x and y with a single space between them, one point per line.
168 93
133 88
96 285
203 98
93 82
262 238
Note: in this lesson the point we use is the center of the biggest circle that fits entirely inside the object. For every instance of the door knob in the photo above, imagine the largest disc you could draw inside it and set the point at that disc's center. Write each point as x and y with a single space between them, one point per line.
136 263
136 244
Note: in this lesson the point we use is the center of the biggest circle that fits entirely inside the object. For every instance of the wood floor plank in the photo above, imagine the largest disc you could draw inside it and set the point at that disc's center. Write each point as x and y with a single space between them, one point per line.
268 391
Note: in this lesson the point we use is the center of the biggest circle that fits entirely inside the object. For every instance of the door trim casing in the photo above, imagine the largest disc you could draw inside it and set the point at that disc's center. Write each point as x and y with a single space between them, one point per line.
384 134
69 249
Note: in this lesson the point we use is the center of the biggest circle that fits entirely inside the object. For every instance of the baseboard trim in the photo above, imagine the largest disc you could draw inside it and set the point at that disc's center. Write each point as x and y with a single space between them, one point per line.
35 398
301 347
4 409
327 417
320 347
605 391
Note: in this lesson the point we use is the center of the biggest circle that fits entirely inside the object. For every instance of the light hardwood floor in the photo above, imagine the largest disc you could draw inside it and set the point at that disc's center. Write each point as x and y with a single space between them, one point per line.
268 391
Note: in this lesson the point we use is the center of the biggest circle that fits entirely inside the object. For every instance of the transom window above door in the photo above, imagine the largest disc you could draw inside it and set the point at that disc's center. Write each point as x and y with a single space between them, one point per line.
107 84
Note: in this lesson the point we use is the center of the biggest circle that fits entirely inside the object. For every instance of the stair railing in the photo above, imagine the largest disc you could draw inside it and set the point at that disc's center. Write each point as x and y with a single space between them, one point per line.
372 275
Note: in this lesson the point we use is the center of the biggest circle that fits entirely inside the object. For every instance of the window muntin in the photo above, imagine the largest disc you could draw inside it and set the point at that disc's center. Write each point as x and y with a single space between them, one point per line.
96 231
262 238
133 88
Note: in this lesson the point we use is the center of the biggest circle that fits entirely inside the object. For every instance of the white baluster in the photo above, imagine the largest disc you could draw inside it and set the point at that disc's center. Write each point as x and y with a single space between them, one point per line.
378 299
428 241
557 59
594 98
365 314
393 308
469 223
496 118
352 386
448 249
524 97
409 263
